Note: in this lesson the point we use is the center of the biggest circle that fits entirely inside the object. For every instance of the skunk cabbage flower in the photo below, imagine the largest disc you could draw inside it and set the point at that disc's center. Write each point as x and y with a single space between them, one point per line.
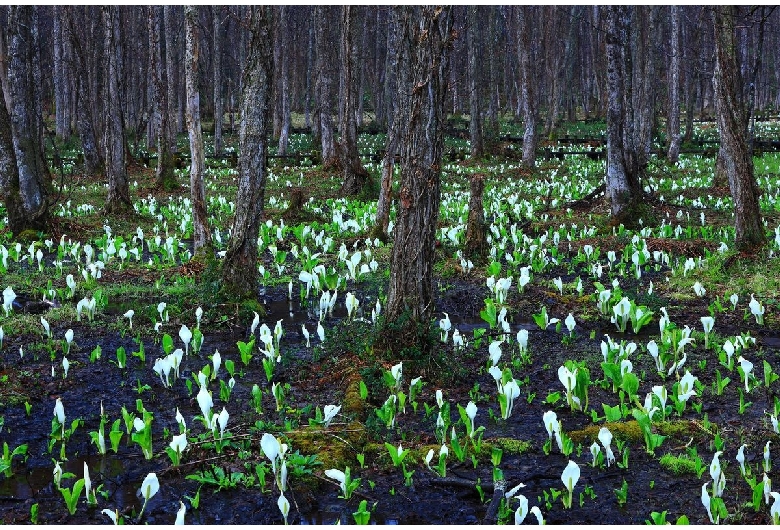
522 510
494 351
471 412
329 412
271 447
284 506
569 477
747 367
705 500
741 459
774 510
114 516
180 514
59 411
445 325
538 513
605 437
185 335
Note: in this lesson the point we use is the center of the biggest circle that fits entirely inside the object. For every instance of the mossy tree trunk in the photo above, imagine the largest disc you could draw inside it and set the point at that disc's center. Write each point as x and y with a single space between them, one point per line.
239 270
424 35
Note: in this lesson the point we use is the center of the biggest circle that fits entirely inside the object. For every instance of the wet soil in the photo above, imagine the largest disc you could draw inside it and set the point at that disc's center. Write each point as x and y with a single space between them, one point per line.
328 373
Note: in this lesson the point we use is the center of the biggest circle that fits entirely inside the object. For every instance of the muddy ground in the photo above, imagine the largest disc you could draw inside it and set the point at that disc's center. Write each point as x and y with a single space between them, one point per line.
329 374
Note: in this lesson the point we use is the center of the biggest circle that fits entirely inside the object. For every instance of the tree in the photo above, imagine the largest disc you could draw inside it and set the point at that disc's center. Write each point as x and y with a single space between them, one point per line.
201 233
623 168
733 116
527 80
475 119
86 60
424 35
218 108
355 175
239 271
324 84
673 127
285 43
165 141
118 198
25 175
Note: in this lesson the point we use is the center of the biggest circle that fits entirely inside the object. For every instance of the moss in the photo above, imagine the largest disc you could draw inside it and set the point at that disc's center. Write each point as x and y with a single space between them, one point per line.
630 431
510 446
679 464
27 236
335 448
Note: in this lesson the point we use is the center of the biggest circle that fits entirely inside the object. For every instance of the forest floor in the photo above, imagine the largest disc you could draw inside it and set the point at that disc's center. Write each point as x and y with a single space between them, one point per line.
229 480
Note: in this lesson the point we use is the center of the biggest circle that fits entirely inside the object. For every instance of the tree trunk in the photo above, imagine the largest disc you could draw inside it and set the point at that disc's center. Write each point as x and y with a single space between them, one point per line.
391 145
733 120
622 184
673 129
476 230
32 173
218 108
324 85
201 238
475 120
61 79
166 162
527 81
118 198
285 56
355 176
171 77
423 44
239 271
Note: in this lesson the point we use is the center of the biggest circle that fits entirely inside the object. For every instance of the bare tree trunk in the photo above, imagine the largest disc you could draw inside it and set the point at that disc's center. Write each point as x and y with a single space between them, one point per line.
324 85
201 234
61 79
476 229
475 120
391 146
171 77
423 44
623 185
673 129
31 177
355 176
164 174
118 198
218 108
733 121
239 271
285 57
530 137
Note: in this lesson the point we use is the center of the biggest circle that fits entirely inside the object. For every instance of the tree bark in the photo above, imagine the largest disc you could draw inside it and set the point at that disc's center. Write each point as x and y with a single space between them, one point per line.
218 108
476 230
355 176
623 183
530 137
423 44
391 146
475 119
201 238
172 77
733 120
324 85
239 271
61 79
673 128
166 162
32 173
284 40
